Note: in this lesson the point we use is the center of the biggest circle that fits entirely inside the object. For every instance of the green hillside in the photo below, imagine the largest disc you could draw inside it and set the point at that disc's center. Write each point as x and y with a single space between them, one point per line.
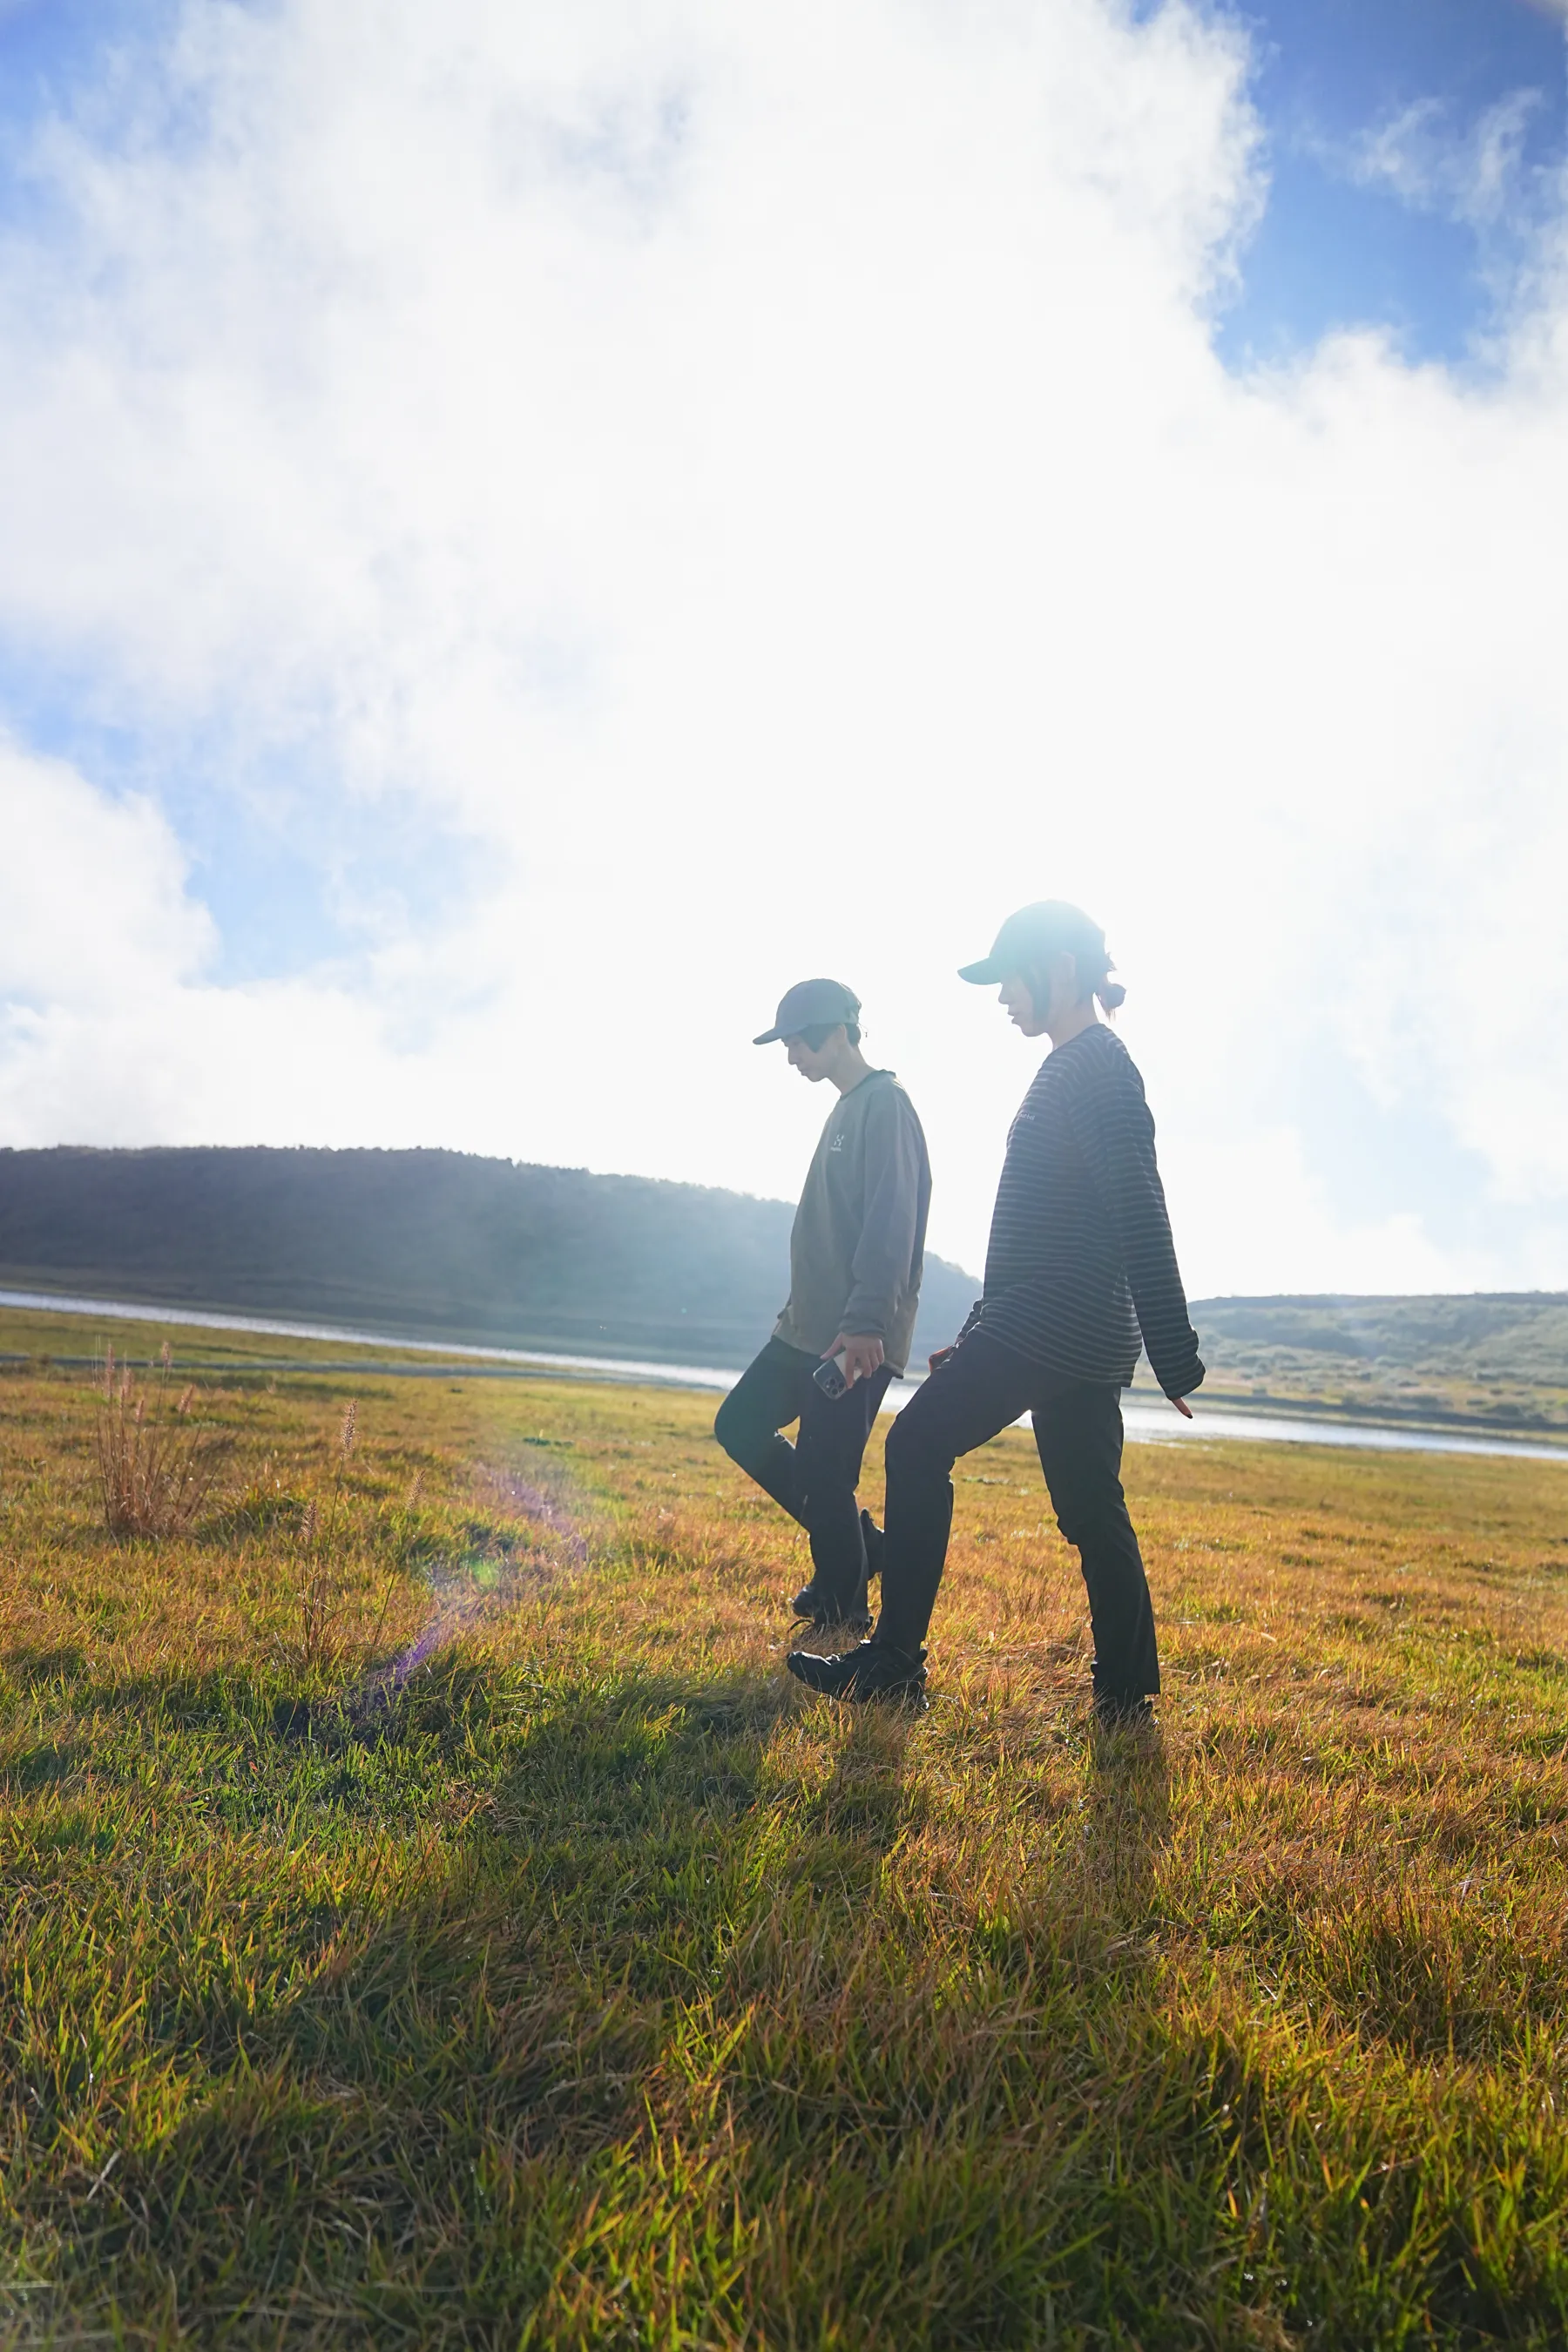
438 1244
442 1245
1493 1359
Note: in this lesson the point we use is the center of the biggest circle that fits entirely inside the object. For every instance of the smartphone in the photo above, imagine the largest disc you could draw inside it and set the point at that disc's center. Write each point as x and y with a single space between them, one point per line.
829 1378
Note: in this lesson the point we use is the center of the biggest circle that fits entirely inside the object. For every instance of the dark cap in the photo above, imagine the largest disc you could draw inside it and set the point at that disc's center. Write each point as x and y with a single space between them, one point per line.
1031 936
811 1004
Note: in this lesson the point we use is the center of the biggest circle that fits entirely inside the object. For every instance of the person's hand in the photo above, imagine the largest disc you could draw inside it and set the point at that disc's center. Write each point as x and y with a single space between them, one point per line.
934 1363
1183 1407
861 1351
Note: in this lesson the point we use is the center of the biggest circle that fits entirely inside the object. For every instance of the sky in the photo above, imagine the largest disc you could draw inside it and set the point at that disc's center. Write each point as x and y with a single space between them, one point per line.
524 529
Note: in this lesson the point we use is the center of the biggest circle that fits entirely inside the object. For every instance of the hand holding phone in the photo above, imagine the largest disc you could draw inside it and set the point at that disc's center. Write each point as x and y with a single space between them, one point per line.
830 1378
856 1354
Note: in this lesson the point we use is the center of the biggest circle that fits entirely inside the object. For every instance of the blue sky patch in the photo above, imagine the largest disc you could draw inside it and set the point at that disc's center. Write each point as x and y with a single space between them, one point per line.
1414 148
295 872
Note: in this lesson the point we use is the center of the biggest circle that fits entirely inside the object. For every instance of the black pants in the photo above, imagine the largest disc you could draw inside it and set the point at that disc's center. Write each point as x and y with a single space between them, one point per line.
983 1388
814 1478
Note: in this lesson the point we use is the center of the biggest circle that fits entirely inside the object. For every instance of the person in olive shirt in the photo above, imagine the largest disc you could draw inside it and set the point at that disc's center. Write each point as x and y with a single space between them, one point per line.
855 1257
1080 1266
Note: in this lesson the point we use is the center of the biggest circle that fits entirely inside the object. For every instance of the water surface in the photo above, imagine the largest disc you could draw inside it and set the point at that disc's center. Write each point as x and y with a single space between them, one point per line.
1149 1419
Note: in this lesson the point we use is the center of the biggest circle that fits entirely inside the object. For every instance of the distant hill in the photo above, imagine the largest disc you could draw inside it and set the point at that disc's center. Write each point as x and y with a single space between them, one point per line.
438 1244
441 1245
1492 1358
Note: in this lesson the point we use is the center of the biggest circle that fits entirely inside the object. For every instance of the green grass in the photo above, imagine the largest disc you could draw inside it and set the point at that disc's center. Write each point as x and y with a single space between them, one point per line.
595 1986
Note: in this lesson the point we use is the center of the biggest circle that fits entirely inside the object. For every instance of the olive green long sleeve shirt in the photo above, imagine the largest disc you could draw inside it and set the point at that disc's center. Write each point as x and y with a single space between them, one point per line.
859 1245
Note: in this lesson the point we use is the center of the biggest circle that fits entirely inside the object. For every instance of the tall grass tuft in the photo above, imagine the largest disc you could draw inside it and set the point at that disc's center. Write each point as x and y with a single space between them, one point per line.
156 1468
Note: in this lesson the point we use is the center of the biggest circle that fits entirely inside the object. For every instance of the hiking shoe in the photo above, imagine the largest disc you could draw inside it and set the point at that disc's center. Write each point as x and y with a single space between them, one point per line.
873 1670
876 1544
820 1608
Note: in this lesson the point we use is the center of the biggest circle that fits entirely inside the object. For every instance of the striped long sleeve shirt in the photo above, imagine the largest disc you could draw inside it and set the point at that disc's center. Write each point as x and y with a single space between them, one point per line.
1080 1257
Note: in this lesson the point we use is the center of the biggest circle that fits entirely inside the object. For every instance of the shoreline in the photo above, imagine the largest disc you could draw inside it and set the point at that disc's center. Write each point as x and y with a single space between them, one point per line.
1147 1416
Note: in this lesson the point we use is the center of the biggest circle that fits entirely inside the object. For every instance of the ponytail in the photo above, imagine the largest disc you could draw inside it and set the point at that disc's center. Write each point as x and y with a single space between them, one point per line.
1094 971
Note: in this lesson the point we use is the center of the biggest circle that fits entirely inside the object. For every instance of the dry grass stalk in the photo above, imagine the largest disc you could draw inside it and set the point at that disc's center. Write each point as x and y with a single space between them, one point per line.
156 1468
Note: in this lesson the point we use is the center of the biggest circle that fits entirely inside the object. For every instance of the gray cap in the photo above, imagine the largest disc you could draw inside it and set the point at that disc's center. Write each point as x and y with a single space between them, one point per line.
811 1004
1035 934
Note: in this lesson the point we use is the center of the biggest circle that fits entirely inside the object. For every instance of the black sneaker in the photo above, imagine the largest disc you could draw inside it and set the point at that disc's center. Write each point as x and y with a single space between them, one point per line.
819 1608
873 1670
876 1544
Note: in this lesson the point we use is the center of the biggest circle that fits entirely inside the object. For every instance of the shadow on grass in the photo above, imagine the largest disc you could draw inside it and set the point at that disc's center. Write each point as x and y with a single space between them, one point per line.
1127 1827
32 1669
675 2026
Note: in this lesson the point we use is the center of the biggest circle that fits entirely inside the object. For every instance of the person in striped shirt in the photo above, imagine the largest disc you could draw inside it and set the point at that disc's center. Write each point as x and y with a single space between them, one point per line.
1081 1264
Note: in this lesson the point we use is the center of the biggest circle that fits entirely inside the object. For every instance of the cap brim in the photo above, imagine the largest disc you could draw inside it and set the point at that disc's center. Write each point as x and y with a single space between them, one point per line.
983 973
769 1037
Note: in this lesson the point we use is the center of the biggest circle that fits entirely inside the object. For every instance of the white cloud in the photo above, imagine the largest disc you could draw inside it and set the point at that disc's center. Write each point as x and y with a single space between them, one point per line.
1474 174
765 478
92 899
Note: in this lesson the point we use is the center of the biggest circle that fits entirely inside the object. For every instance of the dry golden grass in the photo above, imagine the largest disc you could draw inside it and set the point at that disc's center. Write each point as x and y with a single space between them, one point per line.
509 1953
156 1466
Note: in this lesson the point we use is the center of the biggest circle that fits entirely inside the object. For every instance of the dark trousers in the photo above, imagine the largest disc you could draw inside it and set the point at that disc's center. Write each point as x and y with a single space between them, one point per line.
983 1388
815 1478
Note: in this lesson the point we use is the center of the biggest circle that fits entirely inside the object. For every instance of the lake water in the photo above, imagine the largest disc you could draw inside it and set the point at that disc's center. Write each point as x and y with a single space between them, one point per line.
1149 1420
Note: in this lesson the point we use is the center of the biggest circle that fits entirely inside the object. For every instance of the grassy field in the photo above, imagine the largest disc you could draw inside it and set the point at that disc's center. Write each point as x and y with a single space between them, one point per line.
430 1915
